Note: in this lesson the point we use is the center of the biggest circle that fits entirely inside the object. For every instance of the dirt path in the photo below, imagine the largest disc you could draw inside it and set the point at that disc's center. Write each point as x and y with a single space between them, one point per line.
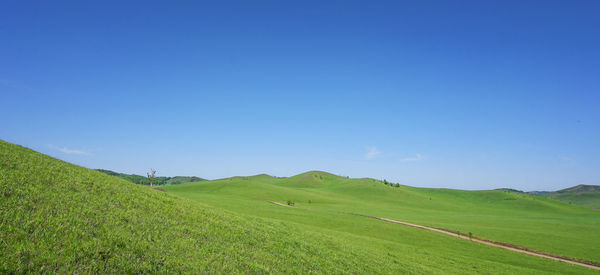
523 250
491 243
278 203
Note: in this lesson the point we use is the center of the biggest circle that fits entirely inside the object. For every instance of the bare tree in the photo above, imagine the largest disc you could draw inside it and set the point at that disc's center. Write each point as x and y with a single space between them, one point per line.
151 176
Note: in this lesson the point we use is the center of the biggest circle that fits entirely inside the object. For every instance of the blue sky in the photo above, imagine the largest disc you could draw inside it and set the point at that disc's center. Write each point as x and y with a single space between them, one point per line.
459 94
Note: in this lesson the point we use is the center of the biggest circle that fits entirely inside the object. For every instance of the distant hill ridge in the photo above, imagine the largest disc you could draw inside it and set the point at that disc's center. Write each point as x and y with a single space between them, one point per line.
582 194
145 181
580 188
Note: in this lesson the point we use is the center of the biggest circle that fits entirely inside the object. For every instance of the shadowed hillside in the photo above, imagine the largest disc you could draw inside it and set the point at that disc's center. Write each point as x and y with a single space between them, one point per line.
584 195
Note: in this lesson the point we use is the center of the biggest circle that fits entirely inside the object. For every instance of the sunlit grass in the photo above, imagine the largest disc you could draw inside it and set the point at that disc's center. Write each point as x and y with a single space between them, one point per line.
58 217
531 221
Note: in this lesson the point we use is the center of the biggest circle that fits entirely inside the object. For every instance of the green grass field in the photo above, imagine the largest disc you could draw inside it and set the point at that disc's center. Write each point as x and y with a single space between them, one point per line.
58 217
531 221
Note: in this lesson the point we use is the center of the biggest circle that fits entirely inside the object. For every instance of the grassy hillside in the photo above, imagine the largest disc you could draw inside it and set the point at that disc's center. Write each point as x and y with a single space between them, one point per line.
58 217
321 199
145 181
584 195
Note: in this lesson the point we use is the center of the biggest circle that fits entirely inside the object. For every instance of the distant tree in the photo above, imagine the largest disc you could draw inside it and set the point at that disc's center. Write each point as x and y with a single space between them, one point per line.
151 176
470 236
385 182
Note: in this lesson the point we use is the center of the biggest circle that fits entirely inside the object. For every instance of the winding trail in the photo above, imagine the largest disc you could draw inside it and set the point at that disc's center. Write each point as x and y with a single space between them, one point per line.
278 203
510 247
523 250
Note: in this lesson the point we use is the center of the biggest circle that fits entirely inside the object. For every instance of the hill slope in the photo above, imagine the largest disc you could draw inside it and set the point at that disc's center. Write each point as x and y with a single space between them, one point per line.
58 217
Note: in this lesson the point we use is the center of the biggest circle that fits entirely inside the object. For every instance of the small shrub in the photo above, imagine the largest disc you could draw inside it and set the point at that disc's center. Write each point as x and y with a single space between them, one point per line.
290 203
151 176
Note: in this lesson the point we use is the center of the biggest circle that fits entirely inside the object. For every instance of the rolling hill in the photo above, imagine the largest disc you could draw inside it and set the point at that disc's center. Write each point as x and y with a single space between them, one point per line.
59 217
534 222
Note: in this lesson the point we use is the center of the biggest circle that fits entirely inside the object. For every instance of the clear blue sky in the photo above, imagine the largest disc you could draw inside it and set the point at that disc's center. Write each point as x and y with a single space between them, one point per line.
460 94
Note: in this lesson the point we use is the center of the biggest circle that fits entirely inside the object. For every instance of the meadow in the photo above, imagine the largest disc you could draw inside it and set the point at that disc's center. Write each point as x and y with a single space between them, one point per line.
59 217
322 199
